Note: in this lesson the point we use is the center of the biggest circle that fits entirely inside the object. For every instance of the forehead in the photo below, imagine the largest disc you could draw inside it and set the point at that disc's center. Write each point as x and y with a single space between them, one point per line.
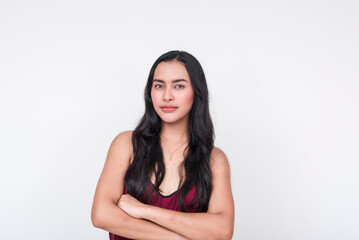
172 70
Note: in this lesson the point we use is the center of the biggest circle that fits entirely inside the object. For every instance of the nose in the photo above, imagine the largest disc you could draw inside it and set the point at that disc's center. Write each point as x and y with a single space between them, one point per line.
167 95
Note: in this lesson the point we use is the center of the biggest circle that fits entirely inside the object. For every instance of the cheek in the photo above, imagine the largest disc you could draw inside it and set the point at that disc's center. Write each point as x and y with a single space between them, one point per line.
154 97
188 97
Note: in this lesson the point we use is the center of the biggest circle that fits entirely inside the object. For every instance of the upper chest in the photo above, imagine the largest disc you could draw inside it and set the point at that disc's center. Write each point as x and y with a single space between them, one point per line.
172 178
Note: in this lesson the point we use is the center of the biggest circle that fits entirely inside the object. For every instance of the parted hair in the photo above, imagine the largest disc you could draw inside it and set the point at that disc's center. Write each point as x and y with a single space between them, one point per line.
148 155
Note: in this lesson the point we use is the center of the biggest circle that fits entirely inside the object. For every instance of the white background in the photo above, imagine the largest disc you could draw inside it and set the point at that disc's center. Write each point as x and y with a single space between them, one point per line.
283 79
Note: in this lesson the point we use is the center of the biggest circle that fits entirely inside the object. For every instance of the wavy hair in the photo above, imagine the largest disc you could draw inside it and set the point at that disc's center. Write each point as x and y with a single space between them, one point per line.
148 156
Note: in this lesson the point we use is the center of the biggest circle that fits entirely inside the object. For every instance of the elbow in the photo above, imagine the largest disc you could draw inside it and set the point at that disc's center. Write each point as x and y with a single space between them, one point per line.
96 219
225 233
106 217
228 229
99 217
228 233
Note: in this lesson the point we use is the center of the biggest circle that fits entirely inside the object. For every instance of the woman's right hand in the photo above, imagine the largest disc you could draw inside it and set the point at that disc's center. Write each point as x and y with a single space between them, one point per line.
131 206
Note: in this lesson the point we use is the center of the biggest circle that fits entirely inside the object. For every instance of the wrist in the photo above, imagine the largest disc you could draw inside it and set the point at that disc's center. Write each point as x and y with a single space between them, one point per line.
146 211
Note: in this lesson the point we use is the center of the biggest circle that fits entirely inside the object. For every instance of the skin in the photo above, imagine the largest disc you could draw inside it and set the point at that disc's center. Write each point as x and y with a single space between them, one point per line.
172 86
124 215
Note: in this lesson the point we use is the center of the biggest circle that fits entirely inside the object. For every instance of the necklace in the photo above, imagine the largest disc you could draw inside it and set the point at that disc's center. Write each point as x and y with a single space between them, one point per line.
171 154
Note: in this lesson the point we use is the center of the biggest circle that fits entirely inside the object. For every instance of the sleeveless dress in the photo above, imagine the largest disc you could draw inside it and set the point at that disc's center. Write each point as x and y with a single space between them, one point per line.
168 202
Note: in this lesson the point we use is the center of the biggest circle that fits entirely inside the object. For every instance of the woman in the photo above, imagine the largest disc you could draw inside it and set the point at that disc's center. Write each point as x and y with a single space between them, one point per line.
165 179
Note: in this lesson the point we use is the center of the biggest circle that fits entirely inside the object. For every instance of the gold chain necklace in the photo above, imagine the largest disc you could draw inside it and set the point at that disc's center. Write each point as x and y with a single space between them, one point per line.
171 154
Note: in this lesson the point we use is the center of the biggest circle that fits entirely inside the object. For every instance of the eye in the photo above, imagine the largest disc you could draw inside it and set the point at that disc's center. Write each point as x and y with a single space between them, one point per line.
159 86
179 86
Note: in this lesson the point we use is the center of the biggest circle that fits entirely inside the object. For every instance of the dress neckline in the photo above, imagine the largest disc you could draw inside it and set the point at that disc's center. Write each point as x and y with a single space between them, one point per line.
163 196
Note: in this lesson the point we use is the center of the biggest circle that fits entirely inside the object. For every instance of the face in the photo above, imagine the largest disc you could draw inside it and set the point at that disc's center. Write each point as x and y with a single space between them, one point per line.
172 93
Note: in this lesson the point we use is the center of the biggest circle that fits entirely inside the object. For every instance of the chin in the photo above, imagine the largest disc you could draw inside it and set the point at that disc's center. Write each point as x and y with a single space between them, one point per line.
172 119
169 120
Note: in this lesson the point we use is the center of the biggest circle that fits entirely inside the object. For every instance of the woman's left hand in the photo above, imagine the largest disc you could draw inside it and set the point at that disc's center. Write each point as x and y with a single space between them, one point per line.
131 206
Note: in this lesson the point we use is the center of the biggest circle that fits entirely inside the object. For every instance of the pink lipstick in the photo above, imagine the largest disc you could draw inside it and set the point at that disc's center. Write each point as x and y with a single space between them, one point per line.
168 108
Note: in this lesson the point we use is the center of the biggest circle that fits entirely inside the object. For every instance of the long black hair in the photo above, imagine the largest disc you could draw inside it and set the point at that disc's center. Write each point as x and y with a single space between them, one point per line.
148 158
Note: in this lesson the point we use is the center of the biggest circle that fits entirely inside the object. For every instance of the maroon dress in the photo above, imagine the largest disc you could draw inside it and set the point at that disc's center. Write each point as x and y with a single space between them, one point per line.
168 202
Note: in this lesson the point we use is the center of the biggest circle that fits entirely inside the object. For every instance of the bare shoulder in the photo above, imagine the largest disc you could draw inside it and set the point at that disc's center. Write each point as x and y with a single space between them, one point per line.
219 161
122 145
221 199
110 185
124 137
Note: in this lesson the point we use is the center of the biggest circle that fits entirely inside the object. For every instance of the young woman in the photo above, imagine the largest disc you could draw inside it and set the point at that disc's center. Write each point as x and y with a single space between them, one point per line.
165 179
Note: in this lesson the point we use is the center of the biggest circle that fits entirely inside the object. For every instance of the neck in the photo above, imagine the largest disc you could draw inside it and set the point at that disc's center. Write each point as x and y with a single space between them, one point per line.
175 133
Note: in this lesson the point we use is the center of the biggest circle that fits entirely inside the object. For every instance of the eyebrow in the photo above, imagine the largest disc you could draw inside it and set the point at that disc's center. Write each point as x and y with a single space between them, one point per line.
177 80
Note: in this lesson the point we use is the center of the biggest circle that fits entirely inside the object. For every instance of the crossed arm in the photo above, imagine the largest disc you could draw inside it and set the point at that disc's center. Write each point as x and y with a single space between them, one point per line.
125 216
190 225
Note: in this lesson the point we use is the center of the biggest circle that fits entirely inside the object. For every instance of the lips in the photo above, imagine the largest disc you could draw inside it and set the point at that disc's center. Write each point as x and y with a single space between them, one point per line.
168 108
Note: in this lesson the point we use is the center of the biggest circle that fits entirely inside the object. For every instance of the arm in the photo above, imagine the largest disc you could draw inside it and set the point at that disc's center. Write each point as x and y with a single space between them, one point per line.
105 214
217 223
